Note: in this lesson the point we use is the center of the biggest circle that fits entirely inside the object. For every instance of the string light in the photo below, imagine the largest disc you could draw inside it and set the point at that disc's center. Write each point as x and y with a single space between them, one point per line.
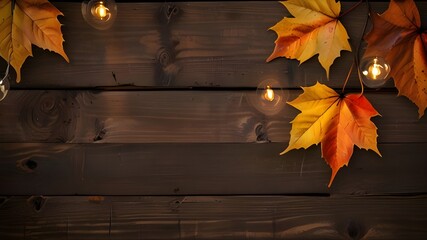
100 14
375 71
270 98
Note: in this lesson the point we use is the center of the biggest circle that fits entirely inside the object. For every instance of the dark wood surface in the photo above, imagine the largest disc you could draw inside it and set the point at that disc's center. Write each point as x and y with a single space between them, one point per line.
176 116
214 217
170 169
155 131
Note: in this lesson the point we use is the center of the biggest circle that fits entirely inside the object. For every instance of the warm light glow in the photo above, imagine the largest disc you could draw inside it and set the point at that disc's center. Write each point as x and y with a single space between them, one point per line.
269 94
100 11
270 98
375 71
100 14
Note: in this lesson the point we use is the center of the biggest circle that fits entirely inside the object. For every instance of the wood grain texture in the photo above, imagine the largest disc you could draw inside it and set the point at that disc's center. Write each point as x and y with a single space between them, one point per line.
215 217
176 169
176 116
198 44
181 148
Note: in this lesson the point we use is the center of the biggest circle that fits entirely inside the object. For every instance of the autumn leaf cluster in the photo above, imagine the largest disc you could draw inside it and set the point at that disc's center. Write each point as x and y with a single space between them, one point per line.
340 121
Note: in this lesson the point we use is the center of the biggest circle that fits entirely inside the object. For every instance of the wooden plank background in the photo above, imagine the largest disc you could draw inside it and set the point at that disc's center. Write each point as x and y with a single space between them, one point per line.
192 169
214 217
155 131
176 116
183 44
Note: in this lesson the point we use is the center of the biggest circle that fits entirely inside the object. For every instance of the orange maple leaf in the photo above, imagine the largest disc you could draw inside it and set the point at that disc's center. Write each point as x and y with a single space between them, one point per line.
31 22
336 121
396 35
314 30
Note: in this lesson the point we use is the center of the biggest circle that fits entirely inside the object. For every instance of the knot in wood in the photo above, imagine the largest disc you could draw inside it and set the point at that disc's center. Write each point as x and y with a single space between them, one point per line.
46 114
37 202
355 230
170 11
261 134
43 111
27 165
176 204
164 57
100 130
48 104
3 200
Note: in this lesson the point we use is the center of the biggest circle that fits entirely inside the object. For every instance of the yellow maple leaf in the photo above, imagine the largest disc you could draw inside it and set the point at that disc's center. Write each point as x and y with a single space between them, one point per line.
314 30
336 121
30 22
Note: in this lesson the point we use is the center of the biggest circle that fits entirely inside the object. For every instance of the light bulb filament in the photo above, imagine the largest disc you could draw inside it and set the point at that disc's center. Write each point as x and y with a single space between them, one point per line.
101 11
269 94
376 70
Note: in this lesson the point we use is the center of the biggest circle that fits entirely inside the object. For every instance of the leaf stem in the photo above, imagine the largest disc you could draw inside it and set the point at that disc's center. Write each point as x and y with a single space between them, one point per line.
348 76
350 9
356 58
356 52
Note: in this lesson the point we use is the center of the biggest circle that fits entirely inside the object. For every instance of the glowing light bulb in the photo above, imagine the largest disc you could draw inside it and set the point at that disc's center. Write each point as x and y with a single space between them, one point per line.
269 94
270 98
4 87
100 11
99 14
375 71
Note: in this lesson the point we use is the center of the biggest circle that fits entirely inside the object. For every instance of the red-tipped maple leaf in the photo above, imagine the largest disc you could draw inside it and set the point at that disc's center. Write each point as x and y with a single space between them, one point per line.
396 35
337 122
314 30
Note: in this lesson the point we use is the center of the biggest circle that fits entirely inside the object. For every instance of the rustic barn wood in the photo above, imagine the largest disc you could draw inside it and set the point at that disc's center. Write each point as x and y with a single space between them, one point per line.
169 169
200 44
155 131
214 217
175 116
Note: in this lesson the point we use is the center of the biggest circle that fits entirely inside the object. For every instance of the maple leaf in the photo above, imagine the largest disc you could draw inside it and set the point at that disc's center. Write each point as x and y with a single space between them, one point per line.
31 22
314 30
396 35
337 122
